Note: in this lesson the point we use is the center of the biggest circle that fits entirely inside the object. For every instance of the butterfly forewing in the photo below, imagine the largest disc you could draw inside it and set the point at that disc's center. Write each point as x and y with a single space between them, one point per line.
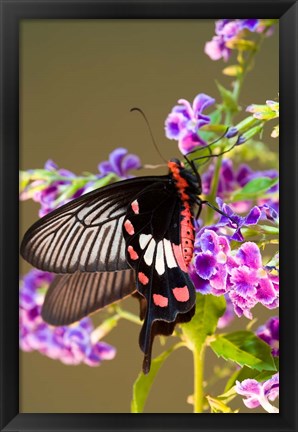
86 234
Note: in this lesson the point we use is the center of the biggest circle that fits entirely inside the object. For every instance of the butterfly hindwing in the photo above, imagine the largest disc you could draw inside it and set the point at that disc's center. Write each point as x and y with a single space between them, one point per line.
153 249
85 234
71 297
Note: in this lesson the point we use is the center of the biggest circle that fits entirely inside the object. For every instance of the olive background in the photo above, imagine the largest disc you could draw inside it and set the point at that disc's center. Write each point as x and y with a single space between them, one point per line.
78 81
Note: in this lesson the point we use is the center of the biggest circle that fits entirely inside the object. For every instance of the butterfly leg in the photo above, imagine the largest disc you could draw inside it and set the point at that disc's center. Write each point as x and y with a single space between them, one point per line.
200 205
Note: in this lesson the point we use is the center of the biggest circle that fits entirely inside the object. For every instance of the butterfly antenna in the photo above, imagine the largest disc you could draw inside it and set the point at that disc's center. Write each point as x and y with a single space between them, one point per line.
150 131
216 155
207 146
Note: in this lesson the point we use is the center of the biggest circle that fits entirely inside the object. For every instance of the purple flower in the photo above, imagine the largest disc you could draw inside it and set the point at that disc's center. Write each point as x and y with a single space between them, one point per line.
217 49
238 274
259 393
184 121
227 30
212 261
120 162
235 221
71 345
269 333
53 189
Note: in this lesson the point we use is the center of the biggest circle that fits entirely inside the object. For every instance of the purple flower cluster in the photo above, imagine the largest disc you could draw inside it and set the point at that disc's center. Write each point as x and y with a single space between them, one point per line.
48 196
120 163
234 222
269 333
53 186
184 121
259 393
231 179
71 345
225 31
238 274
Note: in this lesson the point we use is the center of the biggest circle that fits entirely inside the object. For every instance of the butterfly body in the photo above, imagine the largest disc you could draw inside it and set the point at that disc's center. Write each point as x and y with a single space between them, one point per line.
140 229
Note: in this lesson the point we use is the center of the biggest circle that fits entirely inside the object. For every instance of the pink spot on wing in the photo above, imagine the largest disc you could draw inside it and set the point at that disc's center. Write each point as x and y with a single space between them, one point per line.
135 206
179 257
160 300
129 227
143 278
132 253
181 294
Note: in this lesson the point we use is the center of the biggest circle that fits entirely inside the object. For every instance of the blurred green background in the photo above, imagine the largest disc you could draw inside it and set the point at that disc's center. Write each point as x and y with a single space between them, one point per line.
78 81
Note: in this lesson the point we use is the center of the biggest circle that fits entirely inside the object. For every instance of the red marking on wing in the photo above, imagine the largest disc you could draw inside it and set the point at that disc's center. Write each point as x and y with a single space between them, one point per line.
143 278
181 294
160 300
179 257
132 253
129 227
135 206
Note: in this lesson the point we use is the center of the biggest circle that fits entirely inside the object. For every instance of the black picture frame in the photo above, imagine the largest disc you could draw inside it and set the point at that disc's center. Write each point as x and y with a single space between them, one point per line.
12 11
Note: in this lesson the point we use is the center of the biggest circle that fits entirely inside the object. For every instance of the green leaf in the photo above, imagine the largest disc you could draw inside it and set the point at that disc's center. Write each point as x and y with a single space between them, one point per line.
228 395
143 383
274 261
215 116
218 128
255 188
229 101
209 309
268 229
253 131
246 124
217 406
245 349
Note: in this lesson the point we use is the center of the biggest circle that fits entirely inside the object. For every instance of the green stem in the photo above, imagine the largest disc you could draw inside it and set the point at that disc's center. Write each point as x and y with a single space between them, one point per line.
228 121
198 358
213 193
128 315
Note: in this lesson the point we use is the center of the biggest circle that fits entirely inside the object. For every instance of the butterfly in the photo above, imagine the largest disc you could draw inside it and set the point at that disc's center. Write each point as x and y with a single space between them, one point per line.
133 236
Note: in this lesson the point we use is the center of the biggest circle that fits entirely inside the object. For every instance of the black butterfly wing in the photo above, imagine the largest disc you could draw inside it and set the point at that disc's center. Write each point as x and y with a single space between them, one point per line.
85 234
74 296
152 232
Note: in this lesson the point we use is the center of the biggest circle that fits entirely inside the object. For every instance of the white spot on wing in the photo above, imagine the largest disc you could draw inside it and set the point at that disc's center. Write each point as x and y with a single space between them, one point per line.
144 240
171 262
148 257
159 261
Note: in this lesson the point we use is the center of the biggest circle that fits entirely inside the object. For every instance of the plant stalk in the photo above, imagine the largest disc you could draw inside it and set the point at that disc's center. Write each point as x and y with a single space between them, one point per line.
198 358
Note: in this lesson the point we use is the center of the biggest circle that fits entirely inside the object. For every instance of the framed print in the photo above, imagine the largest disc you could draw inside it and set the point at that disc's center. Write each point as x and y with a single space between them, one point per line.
140 254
